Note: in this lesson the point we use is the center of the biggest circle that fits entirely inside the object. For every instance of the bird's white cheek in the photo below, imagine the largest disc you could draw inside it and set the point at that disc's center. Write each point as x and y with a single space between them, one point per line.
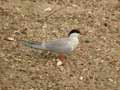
74 46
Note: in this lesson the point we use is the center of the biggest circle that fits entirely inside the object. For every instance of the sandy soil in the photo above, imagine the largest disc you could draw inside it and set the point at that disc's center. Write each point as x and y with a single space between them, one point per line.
94 65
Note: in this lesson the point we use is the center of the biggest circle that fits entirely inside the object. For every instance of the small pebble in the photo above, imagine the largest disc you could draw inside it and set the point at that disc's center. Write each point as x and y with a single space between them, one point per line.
48 9
110 79
74 5
81 78
31 89
10 39
59 63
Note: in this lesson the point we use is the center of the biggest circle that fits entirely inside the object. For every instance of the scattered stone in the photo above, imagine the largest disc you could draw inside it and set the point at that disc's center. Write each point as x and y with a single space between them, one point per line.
44 26
110 79
48 9
10 39
59 63
81 78
74 5
31 89
102 61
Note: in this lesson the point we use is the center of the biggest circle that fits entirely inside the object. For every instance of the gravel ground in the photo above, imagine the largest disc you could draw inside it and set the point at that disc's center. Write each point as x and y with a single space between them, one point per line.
94 65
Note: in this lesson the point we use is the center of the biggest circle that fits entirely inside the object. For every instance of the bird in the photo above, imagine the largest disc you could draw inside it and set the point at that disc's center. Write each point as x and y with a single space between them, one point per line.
60 46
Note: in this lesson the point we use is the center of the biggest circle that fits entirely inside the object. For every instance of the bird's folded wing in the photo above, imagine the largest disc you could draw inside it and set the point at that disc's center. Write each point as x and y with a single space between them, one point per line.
32 44
60 45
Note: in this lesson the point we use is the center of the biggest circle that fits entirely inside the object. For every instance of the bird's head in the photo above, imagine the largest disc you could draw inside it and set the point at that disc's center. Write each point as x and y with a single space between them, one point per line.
74 33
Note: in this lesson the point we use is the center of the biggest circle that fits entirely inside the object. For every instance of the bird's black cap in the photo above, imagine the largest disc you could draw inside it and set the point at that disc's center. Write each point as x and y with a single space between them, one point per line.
74 31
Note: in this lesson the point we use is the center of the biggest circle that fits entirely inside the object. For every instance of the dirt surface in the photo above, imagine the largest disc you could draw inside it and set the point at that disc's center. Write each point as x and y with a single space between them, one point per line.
94 65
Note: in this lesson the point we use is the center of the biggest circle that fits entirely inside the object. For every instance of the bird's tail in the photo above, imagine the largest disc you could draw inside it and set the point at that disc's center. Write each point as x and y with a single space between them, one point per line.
32 44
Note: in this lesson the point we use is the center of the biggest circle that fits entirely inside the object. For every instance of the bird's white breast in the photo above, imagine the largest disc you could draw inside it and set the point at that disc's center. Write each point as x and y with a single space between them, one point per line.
73 43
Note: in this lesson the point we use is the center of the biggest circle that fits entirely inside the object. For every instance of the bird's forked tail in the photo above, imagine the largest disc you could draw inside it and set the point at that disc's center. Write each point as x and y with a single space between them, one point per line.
32 44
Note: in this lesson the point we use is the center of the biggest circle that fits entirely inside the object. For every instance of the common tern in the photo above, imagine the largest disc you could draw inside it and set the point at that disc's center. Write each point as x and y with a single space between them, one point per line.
61 46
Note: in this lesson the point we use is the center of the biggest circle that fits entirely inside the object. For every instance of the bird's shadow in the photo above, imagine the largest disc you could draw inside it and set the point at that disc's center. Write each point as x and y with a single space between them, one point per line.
43 54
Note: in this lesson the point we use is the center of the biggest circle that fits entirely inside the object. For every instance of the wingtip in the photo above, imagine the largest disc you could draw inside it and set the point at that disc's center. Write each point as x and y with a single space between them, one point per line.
26 43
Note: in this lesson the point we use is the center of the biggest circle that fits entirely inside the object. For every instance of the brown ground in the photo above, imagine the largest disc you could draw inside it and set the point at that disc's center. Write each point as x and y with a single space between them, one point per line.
94 65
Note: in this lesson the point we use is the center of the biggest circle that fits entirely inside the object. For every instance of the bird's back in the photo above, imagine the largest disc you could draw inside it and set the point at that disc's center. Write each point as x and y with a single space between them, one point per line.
59 46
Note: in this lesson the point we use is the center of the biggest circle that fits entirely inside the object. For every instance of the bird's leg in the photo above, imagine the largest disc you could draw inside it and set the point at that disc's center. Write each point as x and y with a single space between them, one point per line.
61 57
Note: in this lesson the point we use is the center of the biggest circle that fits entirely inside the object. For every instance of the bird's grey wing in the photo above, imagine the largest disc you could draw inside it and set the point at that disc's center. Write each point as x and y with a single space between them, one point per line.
59 46
33 44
